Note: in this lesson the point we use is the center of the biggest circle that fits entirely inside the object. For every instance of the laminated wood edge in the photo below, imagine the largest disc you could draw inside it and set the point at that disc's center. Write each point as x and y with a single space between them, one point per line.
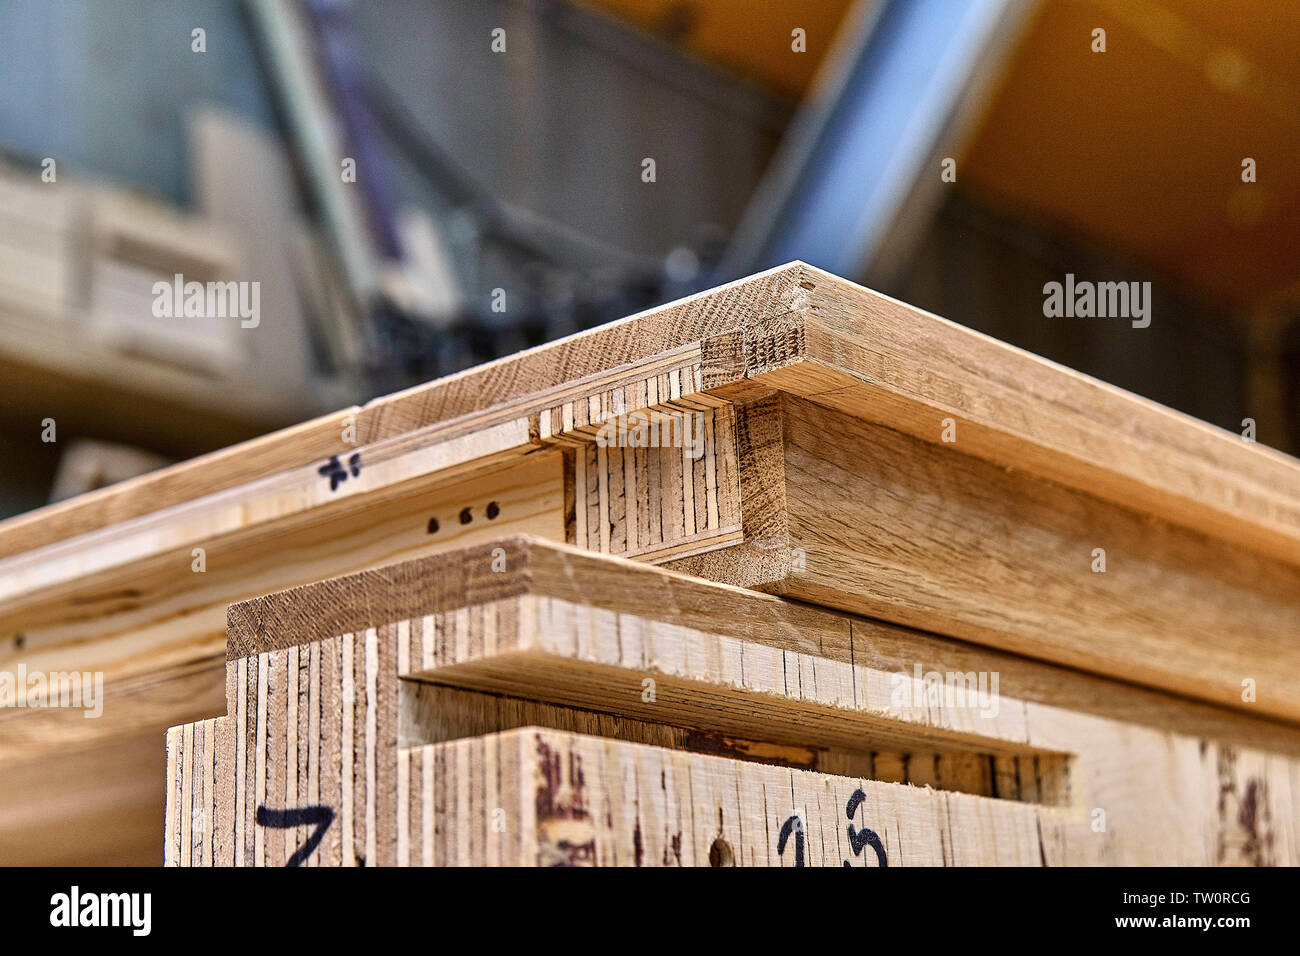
521 565
821 337
591 354
878 359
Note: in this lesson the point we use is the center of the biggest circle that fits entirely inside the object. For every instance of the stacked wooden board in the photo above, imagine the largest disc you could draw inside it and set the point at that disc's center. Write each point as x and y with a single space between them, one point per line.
89 339
135 245
522 702
1012 615
82 261
39 247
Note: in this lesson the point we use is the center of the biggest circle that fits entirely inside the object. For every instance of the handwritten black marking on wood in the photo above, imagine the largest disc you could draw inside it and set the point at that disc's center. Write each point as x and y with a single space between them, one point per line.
319 817
867 837
336 473
792 825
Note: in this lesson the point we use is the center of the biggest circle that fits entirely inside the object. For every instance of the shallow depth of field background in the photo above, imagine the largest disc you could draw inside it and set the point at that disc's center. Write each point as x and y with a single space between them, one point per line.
501 200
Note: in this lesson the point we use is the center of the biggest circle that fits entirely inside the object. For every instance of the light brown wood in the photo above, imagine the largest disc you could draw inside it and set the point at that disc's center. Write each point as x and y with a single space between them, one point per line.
895 528
126 601
176 484
1202 584
554 375
1110 773
98 805
436 713
851 349
819 336
532 797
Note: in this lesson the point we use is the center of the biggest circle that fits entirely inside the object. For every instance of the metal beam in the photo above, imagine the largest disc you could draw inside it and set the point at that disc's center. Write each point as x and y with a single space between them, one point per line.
857 176
320 139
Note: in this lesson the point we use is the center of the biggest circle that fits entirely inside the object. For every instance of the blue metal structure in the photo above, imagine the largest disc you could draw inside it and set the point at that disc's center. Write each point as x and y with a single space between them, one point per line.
899 83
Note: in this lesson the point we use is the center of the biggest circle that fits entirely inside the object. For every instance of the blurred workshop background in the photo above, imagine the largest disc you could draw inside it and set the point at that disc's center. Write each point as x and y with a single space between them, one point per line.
422 185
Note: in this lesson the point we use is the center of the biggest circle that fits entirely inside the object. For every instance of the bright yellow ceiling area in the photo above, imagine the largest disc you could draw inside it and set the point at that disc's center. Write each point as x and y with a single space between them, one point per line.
751 38
1138 149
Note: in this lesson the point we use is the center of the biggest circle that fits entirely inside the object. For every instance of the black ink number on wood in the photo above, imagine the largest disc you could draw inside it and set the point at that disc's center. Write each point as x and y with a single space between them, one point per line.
318 817
792 825
867 837
336 473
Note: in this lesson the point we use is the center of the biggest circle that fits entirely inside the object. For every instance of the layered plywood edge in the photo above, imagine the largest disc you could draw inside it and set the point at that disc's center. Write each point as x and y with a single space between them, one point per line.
527 703
800 450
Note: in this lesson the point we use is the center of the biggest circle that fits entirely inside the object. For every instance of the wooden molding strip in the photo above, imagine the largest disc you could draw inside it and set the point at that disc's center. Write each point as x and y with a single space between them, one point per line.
347 720
813 334
547 370
882 524
879 359
572 800
1202 530
176 484
509 568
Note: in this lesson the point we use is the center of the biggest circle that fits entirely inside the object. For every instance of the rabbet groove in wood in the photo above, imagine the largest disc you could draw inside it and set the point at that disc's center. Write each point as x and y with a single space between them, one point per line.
845 513
535 797
319 720
538 797
989 538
